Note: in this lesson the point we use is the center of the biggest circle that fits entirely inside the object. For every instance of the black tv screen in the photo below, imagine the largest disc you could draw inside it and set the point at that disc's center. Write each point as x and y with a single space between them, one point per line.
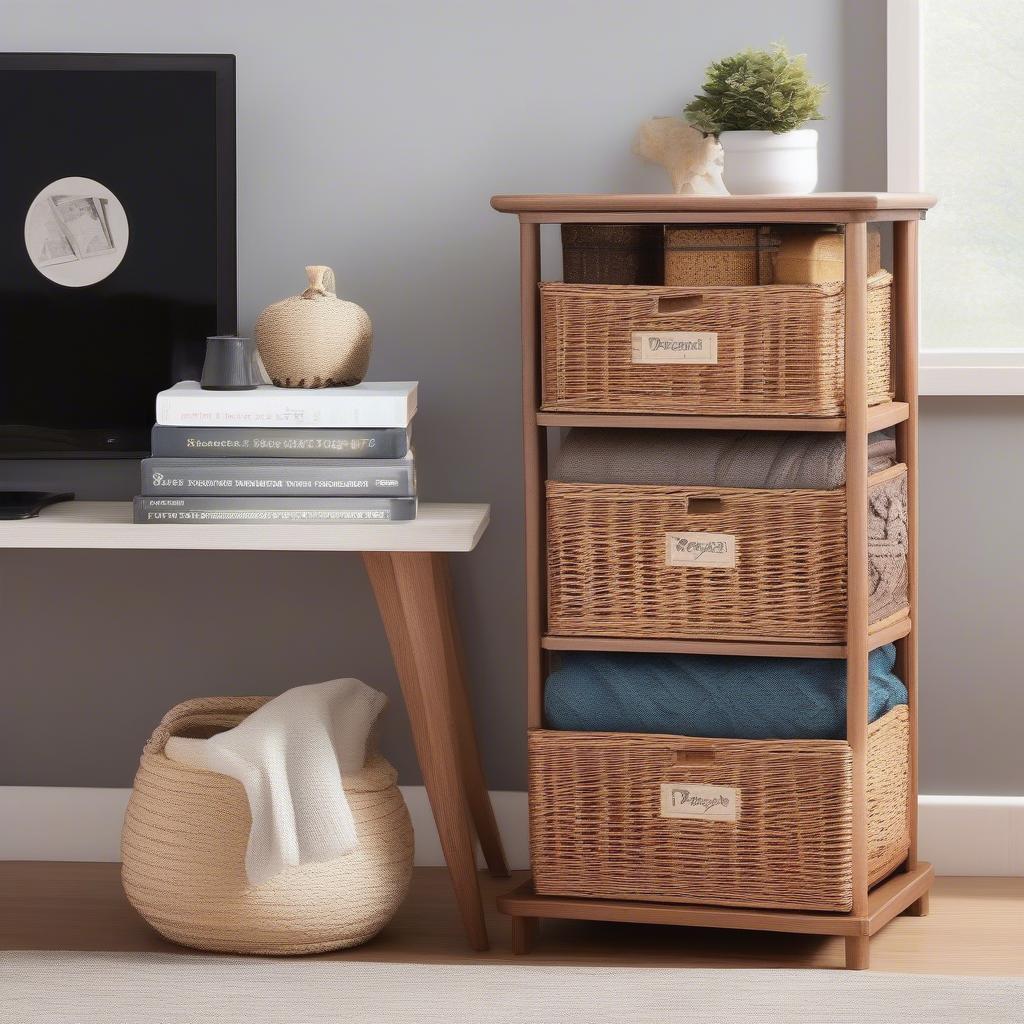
118 214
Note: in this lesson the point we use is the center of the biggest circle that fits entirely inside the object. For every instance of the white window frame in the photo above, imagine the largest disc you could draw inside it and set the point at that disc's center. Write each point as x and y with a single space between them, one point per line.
943 371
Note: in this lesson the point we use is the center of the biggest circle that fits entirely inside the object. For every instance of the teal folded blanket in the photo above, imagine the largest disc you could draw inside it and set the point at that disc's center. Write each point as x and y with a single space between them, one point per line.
708 695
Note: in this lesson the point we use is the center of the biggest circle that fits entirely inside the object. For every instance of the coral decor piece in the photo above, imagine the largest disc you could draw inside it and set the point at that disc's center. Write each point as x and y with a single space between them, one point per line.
693 161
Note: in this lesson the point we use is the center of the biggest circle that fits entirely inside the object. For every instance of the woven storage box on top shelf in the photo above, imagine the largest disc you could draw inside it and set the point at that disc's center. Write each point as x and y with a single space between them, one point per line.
612 253
812 255
183 853
597 827
715 254
780 349
608 571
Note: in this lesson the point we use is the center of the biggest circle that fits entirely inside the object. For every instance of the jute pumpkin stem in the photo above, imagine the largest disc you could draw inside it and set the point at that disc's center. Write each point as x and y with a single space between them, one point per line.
321 280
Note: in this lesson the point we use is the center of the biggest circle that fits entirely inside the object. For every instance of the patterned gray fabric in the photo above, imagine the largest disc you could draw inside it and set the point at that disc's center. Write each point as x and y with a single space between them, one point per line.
888 543
713 458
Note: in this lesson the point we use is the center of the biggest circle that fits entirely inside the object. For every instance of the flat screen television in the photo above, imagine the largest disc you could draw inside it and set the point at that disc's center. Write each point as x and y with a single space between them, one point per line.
118 217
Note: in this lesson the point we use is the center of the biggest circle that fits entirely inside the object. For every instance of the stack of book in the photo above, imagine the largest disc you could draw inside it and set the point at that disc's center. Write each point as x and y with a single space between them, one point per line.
281 455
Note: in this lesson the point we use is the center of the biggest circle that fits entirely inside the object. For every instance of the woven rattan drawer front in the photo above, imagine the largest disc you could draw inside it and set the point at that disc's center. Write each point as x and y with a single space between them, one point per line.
610 573
598 826
779 349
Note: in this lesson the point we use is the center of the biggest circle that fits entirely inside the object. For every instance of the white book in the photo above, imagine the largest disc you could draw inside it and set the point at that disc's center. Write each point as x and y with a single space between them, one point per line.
370 404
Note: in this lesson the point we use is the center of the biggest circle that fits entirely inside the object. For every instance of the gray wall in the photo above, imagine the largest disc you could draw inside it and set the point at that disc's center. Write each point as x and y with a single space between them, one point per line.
370 137
972 595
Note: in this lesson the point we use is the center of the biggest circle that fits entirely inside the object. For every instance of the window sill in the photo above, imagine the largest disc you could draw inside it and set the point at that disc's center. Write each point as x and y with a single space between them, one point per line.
971 372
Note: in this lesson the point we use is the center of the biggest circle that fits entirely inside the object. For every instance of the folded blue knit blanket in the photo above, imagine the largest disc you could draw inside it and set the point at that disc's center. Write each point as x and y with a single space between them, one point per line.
713 696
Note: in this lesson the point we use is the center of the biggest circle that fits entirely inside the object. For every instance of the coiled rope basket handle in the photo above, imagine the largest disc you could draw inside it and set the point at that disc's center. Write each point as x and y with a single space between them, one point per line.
183 853
201 718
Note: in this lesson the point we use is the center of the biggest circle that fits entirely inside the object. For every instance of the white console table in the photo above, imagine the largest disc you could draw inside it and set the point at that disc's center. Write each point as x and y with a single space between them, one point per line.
407 566
108 524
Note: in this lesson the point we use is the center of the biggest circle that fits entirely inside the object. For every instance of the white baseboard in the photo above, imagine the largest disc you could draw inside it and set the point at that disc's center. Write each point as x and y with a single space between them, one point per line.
960 835
972 835
72 823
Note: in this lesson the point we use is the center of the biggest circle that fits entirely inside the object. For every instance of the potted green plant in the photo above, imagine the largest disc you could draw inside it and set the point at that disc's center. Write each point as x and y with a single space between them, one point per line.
756 103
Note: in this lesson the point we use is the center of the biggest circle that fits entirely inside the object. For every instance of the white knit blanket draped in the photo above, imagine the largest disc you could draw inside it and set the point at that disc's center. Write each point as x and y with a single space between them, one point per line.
290 757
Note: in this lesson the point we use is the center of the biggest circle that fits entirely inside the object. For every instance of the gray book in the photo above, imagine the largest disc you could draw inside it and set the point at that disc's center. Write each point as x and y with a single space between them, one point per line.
273 510
295 478
279 442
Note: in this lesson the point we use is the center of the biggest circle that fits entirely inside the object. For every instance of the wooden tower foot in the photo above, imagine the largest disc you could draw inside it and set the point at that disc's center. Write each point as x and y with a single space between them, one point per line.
524 934
919 908
858 952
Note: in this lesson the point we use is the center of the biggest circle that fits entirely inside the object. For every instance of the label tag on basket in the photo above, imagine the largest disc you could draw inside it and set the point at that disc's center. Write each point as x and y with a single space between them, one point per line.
715 550
710 803
675 347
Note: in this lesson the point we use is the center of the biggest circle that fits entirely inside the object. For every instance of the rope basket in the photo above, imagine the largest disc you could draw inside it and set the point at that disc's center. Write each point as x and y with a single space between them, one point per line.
611 574
780 348
183 852
598 823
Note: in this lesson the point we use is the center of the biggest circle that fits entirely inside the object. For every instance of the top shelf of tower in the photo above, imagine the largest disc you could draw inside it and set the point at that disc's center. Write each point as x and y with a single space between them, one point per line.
817 208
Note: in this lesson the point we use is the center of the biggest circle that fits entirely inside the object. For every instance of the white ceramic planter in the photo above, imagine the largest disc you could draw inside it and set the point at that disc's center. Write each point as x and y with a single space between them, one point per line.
763 163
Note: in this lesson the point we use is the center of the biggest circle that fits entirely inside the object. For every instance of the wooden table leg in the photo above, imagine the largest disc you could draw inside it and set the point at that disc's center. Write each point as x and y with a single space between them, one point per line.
407 595
473 779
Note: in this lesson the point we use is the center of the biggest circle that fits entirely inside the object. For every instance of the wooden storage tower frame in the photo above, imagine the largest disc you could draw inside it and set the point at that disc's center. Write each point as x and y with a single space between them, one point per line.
907 890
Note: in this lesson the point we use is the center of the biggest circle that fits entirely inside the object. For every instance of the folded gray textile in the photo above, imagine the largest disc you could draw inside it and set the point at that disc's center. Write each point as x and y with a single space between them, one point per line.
713 458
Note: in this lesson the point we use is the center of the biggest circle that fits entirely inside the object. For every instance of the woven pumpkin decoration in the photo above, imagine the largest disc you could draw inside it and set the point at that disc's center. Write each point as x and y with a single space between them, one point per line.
315 340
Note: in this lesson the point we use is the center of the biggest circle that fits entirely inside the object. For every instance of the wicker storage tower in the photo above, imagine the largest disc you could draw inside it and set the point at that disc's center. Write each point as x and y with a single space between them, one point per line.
805 836
183 853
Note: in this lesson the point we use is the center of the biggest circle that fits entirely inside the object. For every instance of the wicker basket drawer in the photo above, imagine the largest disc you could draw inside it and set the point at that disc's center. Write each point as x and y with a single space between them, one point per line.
774 350
717 563
620 816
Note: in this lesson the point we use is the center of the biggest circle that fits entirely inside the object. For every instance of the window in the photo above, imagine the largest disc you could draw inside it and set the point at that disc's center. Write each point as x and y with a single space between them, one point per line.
956 90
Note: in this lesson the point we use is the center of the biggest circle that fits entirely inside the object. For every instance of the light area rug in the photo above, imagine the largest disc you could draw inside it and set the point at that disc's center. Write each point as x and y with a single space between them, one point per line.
161 988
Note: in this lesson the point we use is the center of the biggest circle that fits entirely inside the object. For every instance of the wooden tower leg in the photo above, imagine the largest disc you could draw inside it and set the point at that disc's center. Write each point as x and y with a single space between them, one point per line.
524 934
857 566
919 908
858 952
535 470
905 339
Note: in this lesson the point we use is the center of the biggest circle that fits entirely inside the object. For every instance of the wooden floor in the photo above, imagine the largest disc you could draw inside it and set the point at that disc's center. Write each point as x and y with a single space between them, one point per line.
976 926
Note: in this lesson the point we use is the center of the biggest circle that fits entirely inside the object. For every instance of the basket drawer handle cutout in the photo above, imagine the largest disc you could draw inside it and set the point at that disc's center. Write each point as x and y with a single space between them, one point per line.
669 304
705 506
699 756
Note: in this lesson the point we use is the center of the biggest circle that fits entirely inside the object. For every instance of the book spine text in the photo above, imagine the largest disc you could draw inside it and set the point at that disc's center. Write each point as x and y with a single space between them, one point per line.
285 477
310 443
